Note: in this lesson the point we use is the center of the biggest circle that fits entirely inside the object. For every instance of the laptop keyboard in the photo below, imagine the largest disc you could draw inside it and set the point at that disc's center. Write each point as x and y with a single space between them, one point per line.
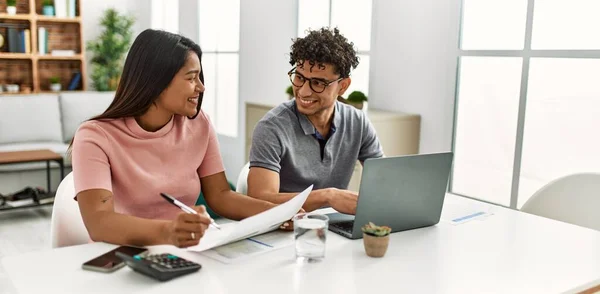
345 226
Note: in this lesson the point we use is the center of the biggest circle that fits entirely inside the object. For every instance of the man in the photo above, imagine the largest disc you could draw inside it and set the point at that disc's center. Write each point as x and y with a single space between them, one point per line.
313 139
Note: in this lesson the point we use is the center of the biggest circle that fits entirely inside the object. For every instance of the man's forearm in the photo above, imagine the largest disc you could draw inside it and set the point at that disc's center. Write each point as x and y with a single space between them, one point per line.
236 206
116 228
316 199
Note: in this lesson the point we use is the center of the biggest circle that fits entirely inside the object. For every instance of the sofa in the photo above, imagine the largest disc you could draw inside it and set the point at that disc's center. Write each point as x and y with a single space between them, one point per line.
42 121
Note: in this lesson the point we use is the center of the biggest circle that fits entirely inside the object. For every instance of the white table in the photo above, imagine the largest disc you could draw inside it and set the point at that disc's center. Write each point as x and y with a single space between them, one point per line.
509 252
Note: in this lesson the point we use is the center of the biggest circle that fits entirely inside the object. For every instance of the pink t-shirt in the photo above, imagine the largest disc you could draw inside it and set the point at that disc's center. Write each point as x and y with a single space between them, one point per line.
137 165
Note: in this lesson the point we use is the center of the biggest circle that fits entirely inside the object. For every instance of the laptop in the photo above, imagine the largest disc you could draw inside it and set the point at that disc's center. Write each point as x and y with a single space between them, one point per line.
404 193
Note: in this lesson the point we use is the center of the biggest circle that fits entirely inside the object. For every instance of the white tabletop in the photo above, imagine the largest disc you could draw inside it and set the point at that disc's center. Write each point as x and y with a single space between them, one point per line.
509 252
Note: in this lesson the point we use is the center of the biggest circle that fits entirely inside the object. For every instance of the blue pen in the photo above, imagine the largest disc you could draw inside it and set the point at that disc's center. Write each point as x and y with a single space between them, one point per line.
186 208
468 216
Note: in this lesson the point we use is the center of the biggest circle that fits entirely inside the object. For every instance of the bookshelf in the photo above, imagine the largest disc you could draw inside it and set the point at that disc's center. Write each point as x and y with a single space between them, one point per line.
33 69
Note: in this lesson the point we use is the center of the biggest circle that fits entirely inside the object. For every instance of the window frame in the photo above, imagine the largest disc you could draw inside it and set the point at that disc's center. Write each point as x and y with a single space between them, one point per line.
526 54
358 52
217 53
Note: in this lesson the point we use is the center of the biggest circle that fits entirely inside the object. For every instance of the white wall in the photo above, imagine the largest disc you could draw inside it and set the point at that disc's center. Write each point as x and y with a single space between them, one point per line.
413 64
266 31
413 59
93 10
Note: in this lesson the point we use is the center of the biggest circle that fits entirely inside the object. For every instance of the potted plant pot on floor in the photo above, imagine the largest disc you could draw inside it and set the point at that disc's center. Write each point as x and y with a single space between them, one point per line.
376 239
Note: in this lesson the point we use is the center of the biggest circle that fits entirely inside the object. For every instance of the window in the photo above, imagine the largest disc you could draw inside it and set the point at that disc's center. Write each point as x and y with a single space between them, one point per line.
219 39
165 15
353 18
528 97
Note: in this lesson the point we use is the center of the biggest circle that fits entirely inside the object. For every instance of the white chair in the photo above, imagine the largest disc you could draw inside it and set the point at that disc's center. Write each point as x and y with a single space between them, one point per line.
66 226
573 199
242 181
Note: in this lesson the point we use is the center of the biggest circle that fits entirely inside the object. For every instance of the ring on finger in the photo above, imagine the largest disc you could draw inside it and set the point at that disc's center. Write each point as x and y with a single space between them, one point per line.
193 236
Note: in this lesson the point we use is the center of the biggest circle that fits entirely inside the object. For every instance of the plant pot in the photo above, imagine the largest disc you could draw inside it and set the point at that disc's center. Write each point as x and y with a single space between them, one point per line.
12 10
55 87
357 105
48 10
375 246
12 88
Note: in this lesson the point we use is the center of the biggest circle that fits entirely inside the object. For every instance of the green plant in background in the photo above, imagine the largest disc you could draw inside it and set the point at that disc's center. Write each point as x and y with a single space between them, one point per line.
357 97
109 49
11 2
377 231
47 3
289 91
54 80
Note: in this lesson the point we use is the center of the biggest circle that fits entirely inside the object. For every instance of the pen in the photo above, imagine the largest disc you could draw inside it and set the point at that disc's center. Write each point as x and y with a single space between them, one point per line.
186 208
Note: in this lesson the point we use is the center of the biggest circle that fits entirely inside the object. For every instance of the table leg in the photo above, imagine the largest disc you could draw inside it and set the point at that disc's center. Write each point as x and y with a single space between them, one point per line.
48 174
62 169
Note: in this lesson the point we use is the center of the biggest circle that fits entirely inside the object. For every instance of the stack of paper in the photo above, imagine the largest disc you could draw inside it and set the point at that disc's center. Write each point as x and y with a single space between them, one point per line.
261 223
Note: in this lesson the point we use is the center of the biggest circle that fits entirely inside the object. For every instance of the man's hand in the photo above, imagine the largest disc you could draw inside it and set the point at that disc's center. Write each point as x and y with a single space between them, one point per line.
343 201
289 225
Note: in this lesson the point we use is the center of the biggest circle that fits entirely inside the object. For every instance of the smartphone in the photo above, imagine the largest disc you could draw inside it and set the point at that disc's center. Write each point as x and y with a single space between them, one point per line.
109 261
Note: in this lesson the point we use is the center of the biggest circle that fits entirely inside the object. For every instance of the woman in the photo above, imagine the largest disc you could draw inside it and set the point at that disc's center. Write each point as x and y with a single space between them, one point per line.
154 138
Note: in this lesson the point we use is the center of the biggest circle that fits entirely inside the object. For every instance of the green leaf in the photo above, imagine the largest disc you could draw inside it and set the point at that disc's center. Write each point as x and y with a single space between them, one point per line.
109 49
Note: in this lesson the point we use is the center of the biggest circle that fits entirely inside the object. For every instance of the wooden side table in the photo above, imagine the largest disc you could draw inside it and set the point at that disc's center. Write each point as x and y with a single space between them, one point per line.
35 156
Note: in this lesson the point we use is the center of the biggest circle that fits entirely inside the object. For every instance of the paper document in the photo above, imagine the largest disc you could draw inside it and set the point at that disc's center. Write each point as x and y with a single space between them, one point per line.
255 225
250 247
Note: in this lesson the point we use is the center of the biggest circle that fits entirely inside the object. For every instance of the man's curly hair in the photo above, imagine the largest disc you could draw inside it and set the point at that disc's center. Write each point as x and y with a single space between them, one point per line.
325 46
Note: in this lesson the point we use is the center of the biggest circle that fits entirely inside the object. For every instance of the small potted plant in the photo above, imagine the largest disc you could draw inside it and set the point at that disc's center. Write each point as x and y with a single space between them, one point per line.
11 7
376 239
48 7
290 92
55 84
357 99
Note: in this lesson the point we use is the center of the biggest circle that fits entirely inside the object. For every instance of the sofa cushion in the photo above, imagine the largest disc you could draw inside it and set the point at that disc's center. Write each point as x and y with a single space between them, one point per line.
30 118
58 147
77 107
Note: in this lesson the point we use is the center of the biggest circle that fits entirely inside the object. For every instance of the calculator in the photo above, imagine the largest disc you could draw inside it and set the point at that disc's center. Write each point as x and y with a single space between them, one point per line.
162 267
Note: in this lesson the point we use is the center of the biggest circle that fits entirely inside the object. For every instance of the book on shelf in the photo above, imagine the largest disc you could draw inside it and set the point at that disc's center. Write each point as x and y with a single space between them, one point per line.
27 40
65 8
42 41
75 80
60 8
71 7
62 53
13 40
19 41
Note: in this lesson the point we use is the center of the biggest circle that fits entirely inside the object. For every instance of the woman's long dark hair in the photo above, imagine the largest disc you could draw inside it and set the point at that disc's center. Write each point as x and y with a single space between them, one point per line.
154 59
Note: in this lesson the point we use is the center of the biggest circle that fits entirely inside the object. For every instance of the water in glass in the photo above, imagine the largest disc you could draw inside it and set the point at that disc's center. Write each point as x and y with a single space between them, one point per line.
310 234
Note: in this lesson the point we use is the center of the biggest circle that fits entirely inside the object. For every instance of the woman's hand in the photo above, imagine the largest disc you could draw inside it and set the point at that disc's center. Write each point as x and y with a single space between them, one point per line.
187 229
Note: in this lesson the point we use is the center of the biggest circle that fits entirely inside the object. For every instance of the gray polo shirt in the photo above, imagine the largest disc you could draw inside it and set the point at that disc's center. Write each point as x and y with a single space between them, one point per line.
285 141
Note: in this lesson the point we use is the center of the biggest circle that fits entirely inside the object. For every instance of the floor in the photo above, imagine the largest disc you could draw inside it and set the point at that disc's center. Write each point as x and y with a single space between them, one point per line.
22 231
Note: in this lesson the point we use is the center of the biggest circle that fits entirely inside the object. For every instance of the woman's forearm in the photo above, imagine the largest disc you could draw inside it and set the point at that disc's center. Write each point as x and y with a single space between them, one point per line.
237 206
116 228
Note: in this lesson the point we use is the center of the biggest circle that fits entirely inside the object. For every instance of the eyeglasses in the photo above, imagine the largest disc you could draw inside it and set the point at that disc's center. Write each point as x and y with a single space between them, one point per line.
317 85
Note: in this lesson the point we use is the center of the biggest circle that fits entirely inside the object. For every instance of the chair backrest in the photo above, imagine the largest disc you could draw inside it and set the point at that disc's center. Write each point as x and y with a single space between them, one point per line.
573 199
242 181
66 226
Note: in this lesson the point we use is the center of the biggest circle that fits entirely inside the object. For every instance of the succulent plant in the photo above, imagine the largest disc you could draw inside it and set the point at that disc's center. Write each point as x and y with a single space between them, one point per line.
375 230
54 80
